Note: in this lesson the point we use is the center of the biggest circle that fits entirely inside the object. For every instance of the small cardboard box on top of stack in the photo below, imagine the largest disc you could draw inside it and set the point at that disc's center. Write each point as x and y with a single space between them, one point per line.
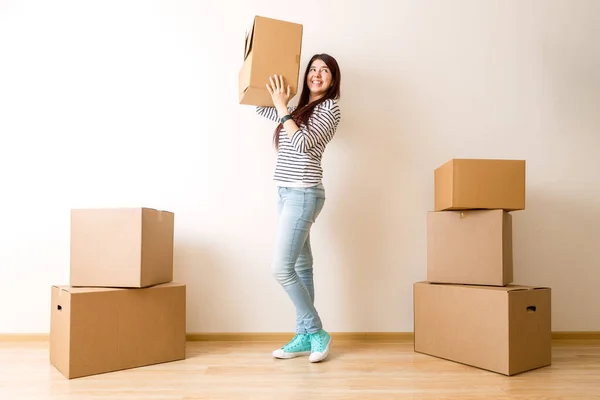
122 309
468 310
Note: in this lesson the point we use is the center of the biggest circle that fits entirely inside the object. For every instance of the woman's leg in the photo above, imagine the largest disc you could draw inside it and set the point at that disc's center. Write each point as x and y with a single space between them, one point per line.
304 269
292 267
299 209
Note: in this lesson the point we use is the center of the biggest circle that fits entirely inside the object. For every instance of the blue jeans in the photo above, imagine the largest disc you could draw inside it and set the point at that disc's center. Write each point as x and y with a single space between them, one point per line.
293 262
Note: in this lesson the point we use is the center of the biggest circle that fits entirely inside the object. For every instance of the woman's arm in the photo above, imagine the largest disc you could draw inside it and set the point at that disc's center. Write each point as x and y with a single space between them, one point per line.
323 125
323 122
268 112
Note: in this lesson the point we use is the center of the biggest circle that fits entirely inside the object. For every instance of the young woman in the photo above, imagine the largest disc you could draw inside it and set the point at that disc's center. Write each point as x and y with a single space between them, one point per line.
301 136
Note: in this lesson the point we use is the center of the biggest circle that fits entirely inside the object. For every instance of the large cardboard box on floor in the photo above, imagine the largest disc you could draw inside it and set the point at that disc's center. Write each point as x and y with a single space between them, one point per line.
121 247
462 184
501 329
272 47
98 330
470 247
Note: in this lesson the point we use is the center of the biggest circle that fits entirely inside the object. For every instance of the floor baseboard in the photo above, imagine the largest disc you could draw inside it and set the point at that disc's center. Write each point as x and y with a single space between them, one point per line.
23 337
285 336
582 335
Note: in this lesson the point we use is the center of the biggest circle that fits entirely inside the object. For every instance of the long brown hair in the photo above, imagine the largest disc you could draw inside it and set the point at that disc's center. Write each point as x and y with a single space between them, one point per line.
304 110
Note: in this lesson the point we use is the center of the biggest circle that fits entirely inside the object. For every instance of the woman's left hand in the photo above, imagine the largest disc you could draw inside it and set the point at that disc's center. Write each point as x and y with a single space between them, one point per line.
280 96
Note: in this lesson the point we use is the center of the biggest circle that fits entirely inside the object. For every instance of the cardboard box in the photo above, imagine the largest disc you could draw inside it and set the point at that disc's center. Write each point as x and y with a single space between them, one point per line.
462 184
98 330
501 329
272 47
470 247
121 247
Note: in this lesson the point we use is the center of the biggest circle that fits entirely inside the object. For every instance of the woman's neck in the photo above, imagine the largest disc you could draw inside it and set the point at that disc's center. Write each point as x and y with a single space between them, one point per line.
312 97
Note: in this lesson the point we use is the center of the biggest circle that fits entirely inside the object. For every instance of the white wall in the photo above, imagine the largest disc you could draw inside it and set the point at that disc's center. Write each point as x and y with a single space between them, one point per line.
134 103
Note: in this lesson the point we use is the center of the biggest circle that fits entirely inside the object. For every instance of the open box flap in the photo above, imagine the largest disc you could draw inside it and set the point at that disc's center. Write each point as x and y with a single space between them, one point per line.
249 40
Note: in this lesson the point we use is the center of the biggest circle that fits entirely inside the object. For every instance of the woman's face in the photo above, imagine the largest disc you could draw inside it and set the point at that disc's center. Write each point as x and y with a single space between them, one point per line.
319 78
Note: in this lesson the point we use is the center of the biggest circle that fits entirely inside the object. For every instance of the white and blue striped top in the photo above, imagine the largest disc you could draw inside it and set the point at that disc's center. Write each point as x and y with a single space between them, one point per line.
299 159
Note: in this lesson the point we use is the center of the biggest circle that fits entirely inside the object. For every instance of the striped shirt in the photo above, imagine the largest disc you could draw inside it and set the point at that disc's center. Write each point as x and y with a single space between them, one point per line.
299 159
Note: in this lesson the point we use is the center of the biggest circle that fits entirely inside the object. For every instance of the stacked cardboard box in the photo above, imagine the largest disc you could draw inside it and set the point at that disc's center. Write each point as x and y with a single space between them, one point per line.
122 309
469 311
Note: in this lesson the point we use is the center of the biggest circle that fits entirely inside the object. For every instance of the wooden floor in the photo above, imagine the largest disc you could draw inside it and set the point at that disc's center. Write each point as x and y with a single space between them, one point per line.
354 370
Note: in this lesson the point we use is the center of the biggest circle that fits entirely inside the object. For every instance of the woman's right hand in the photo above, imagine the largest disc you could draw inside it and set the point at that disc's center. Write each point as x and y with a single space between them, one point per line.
280 96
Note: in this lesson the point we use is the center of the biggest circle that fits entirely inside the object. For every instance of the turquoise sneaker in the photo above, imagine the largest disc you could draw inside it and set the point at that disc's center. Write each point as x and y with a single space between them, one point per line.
319 346
300 345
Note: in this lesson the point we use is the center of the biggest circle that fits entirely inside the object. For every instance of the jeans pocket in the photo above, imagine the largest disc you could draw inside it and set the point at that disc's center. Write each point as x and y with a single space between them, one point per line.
319 203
